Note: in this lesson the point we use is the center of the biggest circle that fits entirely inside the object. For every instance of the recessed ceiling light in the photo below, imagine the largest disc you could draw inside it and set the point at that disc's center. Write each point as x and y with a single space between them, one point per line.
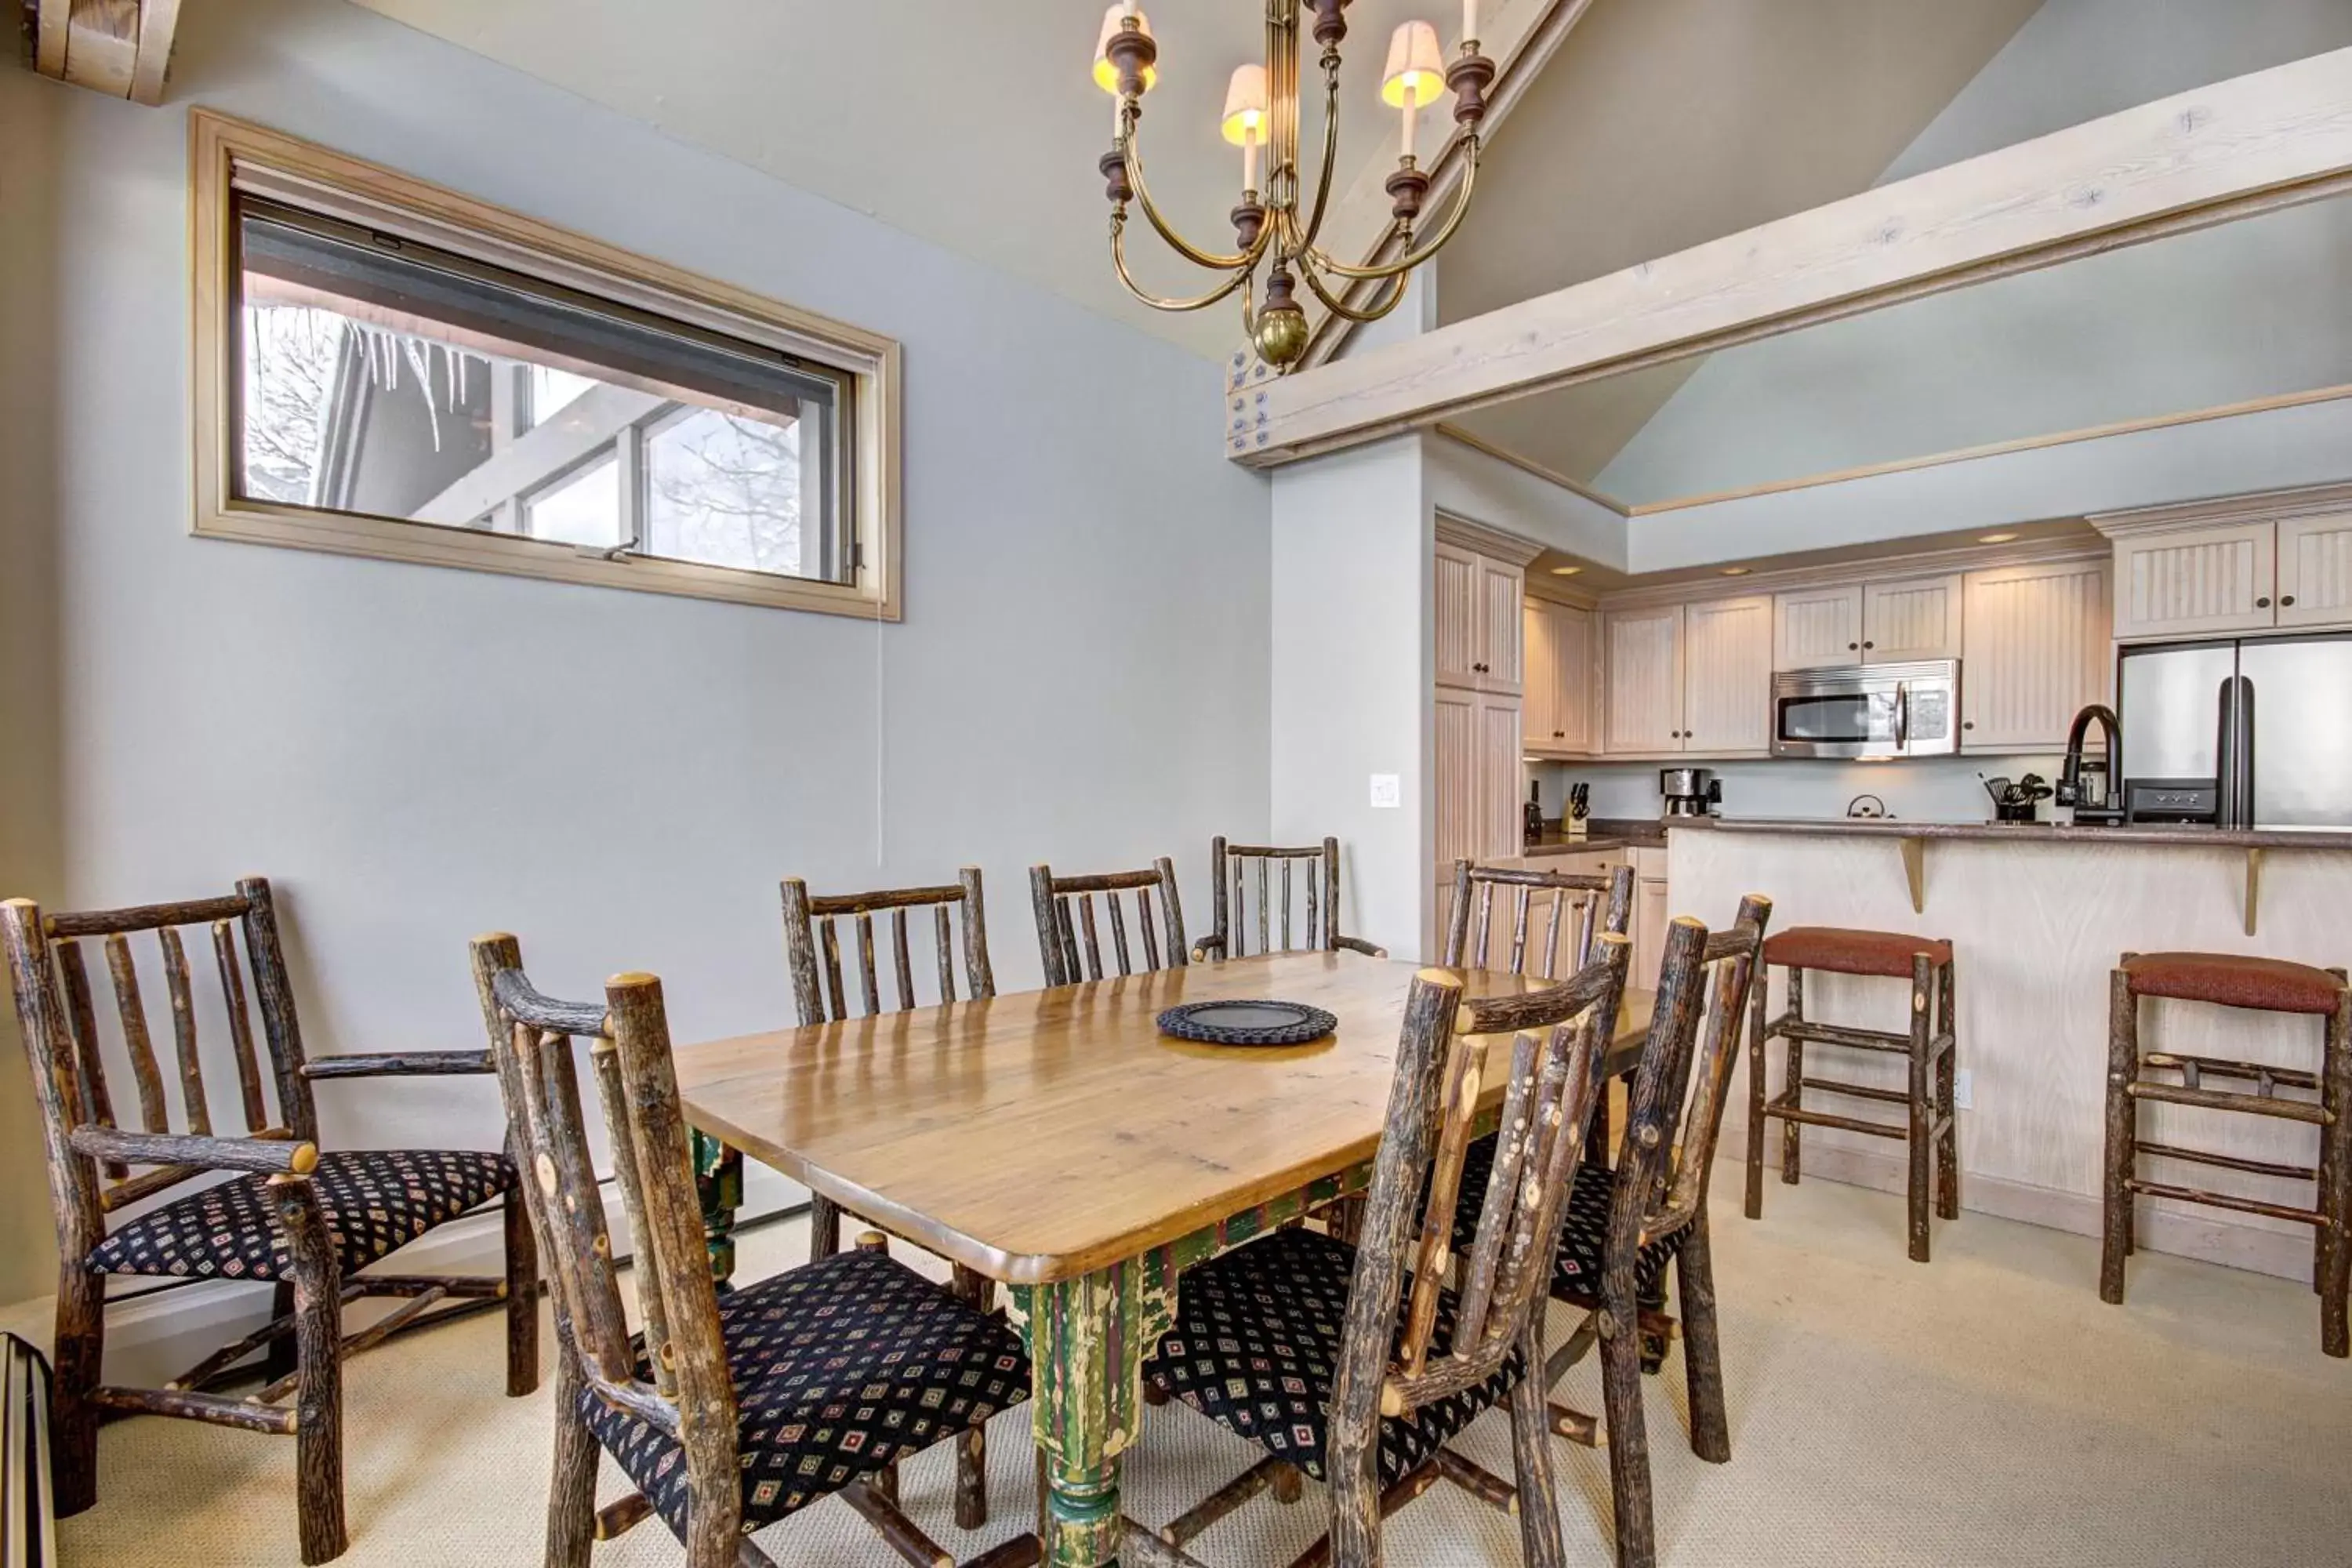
1996 539
1738 571
1566 571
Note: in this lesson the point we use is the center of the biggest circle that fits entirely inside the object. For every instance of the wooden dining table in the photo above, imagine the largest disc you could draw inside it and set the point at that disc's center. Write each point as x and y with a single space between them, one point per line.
1056 1142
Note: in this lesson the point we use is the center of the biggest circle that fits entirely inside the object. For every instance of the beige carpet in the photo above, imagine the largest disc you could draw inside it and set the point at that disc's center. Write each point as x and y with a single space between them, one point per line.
1983 1409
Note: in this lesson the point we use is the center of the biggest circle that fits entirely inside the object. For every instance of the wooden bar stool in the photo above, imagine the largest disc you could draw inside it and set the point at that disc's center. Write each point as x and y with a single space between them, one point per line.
1930 1044
2257 985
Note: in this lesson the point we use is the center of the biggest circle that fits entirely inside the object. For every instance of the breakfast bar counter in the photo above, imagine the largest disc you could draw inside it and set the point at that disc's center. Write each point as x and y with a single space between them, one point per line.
2039 916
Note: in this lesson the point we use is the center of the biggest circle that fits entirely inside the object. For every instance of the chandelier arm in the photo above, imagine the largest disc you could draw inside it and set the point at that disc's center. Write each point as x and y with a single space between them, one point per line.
1330 153
1395 288
1241 275
1211 260
1452 221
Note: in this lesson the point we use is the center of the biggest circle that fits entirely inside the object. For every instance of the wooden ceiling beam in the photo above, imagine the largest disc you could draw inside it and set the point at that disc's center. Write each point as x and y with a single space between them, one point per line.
119 48
2214 154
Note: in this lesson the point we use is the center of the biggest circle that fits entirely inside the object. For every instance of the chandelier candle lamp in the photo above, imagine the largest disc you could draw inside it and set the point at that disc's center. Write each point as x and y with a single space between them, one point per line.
1275 233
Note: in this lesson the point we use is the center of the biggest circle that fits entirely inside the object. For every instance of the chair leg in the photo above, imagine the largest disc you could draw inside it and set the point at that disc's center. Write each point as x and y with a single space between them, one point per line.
824 1228
1702 1346
1947 1143
2123 1116
522 1298
80 1348
1792 1133
2335 1186
1629 1443
1538 1500
971 1447
1919 1144
572 1493
1758 1037
318 1363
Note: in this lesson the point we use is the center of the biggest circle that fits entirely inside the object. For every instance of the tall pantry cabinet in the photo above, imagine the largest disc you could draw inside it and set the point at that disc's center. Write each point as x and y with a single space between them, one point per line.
1479 581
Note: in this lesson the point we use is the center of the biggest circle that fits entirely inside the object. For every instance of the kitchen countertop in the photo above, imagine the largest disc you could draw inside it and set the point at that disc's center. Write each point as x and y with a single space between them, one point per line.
1604 834
2166 836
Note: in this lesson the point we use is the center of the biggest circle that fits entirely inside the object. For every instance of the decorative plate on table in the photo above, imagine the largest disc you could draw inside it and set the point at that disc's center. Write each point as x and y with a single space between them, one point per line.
1247 1023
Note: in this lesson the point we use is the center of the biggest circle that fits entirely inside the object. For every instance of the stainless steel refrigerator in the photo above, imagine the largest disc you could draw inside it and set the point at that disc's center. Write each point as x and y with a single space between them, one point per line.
2250 733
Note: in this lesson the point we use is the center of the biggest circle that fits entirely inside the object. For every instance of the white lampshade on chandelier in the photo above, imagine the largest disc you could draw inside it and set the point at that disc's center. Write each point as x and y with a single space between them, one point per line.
1275 230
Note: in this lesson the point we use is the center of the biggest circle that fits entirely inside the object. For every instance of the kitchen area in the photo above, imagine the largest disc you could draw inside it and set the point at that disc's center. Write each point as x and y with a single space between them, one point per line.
2131 733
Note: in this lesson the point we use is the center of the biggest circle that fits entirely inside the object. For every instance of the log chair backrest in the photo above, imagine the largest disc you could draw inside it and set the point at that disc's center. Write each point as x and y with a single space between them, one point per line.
534 1039
813 944
1581 906
58 1018
1676 1110
1065 919
1557 1038
1275 900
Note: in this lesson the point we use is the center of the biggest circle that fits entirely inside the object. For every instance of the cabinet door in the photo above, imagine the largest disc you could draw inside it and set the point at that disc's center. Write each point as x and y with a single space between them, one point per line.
1455 577
1455 760
1817 630
1500 790
1728 676
1919 619
1649 931
2035 651
2195 581
1572 684
1502 589
1644 708
2315 570
1540 702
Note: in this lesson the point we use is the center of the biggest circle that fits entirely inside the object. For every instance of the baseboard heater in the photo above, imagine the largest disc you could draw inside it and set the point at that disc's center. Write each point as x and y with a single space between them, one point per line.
27 1510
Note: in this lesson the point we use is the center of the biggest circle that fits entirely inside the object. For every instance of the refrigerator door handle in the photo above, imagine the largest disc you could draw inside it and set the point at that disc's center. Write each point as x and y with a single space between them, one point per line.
2244 758
2225 754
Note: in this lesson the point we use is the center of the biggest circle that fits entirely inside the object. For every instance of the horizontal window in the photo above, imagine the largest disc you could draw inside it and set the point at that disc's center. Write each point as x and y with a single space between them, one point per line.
443 382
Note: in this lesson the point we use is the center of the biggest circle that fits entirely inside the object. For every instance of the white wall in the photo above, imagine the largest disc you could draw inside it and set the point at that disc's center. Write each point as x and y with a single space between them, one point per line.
2249 310
1353 675
416 755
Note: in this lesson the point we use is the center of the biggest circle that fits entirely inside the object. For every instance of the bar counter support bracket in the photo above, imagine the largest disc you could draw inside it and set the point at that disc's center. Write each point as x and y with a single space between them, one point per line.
2253 887
1914 871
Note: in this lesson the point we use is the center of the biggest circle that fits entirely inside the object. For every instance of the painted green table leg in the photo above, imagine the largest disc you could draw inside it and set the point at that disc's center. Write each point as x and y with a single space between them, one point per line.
719 1182
1087 1341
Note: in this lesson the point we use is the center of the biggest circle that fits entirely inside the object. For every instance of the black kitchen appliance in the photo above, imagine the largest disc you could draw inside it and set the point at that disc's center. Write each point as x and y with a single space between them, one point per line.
1690 792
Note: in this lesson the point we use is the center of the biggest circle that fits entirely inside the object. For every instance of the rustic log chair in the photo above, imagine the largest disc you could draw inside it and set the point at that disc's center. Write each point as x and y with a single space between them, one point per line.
1229 903
1621 1228
810 928
305 1222
1354 1363
1059 933
713 1412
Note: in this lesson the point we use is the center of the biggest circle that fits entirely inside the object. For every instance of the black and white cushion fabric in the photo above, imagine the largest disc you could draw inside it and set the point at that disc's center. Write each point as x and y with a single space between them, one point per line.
1584 1232
1256 1345
376 1201
840 1366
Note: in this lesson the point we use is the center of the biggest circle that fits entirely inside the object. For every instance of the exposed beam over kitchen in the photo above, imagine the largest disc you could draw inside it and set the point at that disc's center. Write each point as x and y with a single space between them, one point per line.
2206 156
119 48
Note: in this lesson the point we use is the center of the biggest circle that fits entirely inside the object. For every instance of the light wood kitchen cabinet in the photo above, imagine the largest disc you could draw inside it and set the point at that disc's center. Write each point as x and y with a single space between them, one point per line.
1649 917
2197 582
1558 708
2315 570
1643 711
1478 619
1911 618
1817 628
1478 789
1726 703
2035 652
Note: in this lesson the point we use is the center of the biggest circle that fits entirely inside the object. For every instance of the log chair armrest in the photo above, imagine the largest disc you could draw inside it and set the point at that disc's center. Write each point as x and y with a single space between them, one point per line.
1358 944
1207 945
270 1156
401 1063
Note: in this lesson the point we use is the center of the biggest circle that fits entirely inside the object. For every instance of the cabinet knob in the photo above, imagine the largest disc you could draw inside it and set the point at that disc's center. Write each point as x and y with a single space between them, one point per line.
2264 603
1870 644
1971 724
2285 599
1852 645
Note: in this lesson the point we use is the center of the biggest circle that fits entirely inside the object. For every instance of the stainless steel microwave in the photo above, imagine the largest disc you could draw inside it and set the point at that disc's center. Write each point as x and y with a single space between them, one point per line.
1868 711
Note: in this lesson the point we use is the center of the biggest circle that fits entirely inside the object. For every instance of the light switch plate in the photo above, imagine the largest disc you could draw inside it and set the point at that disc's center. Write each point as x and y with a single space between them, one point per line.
1387 792
1964 1090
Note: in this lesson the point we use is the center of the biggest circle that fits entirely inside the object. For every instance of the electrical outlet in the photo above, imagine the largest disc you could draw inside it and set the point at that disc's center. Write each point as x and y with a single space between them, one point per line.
1387 792
1964 1090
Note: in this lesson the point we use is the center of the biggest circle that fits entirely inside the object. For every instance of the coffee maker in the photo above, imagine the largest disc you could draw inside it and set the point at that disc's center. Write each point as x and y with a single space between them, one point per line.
1690 792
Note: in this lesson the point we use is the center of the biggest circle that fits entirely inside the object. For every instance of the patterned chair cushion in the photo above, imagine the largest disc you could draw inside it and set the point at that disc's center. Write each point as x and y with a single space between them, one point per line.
1256 1346
1583 1234
840 1366
376 1202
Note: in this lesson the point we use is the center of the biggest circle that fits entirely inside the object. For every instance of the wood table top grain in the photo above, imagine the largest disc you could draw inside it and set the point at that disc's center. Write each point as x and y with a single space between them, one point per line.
1041 1135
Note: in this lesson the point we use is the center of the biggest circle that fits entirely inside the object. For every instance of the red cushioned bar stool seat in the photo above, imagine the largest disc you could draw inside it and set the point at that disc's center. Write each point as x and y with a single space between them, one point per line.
1930 1126
2322 1099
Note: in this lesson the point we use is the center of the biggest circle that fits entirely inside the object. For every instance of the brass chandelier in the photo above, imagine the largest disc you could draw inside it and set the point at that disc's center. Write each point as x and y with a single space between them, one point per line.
1262 114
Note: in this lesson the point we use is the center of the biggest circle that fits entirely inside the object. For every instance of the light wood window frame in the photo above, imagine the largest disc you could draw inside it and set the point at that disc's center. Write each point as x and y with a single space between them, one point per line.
227 155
